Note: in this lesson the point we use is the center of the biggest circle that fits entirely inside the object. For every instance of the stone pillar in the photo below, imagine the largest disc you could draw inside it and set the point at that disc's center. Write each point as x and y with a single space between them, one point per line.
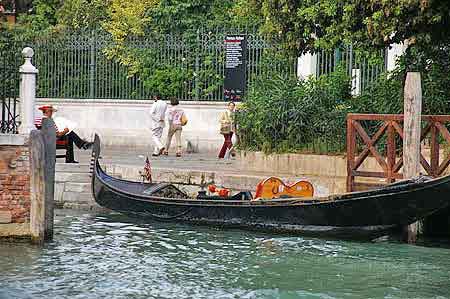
306 66
27 92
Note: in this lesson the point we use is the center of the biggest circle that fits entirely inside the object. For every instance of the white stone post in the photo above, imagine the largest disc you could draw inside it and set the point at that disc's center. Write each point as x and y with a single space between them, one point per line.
394 52
27 92
306 66
356 82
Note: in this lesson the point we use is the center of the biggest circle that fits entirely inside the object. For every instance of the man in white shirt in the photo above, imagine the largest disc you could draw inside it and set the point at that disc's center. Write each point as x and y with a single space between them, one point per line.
158 115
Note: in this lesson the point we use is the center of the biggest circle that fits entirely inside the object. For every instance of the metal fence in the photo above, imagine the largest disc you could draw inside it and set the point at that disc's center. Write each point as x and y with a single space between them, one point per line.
9 92
75 66
369 71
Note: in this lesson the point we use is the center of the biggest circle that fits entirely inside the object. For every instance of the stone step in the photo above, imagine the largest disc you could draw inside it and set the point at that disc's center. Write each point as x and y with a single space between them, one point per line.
70 167
62 177
83 206
77 187
77 197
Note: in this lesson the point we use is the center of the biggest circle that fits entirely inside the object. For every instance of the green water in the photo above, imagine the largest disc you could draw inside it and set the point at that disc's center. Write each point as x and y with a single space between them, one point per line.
112 256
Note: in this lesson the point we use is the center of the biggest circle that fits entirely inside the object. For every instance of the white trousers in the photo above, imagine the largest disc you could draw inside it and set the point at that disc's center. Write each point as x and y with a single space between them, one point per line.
156 136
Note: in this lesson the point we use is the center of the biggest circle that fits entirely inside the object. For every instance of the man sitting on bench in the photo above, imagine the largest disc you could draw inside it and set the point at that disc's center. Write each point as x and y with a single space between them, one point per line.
63 135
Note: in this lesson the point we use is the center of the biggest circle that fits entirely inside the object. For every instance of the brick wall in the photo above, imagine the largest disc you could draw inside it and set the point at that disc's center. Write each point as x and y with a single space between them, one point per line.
15 182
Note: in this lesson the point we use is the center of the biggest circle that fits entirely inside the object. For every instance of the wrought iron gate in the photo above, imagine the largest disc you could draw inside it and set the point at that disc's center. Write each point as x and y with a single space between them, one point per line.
9 92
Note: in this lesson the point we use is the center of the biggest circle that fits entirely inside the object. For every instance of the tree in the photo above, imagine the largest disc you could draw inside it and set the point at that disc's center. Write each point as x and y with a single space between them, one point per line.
310 24
82 14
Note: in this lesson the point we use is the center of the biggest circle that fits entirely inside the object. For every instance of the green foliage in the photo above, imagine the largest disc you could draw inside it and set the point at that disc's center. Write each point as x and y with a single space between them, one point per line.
179 16
434 66
283 114
82 14
166 80
311 24
289 116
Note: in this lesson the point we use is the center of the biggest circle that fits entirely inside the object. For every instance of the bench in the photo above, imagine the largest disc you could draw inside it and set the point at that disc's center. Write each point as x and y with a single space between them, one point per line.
62 143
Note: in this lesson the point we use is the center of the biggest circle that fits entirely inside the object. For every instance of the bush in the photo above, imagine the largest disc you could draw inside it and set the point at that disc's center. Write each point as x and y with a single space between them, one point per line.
286 115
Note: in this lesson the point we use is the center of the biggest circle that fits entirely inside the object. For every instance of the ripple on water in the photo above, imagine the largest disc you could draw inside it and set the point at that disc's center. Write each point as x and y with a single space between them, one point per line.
99 256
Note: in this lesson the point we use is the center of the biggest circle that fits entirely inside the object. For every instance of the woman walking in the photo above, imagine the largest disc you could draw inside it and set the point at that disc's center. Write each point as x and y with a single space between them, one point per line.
177 119
226 121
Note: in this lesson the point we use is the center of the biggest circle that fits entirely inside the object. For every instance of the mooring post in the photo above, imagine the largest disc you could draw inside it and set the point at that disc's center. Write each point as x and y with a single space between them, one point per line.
43 159
411 136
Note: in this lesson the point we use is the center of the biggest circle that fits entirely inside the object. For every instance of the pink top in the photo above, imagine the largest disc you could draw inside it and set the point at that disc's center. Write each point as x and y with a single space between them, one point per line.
175 115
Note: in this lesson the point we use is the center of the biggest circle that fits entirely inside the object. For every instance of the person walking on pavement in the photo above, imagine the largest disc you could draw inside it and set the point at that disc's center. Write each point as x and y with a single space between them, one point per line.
158 115
177 119
226 121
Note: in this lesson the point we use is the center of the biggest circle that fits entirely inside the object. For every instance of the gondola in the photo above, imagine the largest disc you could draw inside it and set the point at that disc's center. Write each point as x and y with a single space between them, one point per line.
356 215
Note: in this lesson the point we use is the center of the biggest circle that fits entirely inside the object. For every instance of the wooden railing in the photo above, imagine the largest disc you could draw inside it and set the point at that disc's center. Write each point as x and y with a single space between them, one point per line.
391 162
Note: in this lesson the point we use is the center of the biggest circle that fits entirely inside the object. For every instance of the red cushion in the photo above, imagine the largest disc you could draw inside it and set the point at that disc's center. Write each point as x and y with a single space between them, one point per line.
61 142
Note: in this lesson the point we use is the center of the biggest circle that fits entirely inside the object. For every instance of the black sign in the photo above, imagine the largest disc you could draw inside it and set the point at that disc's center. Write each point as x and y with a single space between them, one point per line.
235 66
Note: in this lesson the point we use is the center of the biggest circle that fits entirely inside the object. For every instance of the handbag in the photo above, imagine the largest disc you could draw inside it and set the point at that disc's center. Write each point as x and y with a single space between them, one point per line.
225 128
184 120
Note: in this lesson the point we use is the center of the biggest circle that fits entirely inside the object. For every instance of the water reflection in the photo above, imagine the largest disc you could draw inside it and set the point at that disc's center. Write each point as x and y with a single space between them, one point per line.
98 256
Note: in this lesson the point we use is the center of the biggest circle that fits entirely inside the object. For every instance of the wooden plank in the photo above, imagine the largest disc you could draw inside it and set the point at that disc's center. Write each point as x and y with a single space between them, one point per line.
425 132
394 117
398 129
434 151
372 142
398 165
374 174
444 165
374 152
443 131
351 147
425 165
385 117
390 152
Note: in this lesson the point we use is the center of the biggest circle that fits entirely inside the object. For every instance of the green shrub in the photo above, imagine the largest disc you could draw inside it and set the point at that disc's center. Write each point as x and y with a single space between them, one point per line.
286 115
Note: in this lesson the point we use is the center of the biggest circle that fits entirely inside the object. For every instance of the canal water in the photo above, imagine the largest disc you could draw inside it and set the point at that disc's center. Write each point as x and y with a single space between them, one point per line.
112 256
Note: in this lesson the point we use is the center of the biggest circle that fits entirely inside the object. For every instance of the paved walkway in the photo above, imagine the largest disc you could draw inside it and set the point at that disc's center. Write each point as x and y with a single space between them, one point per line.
207 162
137 157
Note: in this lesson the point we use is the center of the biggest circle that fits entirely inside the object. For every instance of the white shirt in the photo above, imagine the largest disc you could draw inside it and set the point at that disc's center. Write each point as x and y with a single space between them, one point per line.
158 114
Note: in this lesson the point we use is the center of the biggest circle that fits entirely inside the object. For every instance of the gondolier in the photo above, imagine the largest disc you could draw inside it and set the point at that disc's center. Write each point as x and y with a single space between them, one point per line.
64 134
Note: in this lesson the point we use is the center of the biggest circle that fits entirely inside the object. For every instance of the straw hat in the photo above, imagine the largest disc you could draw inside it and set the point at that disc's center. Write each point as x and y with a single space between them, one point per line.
48 107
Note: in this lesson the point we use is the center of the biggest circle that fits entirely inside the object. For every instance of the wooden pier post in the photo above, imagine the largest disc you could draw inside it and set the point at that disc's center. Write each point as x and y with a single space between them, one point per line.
43 159
411 139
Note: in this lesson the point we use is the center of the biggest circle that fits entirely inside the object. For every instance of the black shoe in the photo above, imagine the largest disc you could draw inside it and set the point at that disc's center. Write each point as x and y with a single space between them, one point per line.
87 145
155 155
73 161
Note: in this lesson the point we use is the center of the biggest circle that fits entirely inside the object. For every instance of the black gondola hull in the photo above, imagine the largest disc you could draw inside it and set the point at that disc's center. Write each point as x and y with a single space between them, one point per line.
359 215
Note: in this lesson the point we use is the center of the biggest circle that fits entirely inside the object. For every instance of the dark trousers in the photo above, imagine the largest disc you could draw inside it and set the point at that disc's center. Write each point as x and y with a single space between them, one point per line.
72 138
226 144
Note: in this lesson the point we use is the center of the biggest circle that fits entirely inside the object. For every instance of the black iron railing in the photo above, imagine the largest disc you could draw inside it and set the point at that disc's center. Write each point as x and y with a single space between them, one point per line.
9 92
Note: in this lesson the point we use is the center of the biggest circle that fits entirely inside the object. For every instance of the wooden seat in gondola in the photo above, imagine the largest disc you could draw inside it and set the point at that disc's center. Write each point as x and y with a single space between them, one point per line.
244 195
164 190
